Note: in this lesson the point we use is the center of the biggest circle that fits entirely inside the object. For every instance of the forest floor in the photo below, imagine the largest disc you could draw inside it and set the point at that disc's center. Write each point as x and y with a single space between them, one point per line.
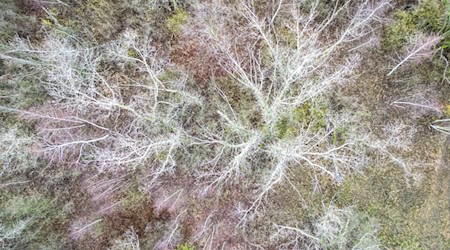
69 206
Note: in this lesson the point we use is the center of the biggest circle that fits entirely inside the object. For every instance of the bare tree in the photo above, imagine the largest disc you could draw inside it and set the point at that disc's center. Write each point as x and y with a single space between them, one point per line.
100 119
281 78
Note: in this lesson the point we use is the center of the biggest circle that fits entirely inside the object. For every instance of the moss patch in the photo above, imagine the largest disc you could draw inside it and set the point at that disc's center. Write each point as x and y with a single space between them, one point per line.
303 116
175 21
428 16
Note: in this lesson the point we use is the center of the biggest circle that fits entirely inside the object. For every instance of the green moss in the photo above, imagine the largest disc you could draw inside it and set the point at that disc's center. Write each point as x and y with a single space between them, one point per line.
170 75
428 16
323 9
175 21
185 246
431 14
305 115
47 23
359 230
446 27
283 128
103 19
100 12
43 200
26 206
31 93
161 156
266 57
132 53
397 35
446 110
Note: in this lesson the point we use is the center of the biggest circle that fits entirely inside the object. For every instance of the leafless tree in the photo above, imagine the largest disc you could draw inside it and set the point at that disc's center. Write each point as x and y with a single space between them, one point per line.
101 120
282 78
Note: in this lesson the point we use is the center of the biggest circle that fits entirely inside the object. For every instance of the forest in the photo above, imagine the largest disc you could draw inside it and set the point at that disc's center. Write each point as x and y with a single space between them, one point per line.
224 124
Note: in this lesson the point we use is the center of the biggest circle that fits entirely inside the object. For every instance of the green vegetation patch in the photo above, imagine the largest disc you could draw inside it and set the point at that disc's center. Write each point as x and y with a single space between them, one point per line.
175 21
15 21
185 246
429 16
401 208
29 221
303 116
